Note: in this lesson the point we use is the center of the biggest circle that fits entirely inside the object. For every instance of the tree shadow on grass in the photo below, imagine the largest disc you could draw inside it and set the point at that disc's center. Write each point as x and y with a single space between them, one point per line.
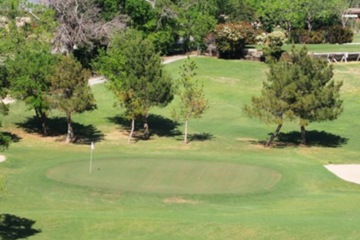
158 125
13 227
201 137
84 134
313 138
14 138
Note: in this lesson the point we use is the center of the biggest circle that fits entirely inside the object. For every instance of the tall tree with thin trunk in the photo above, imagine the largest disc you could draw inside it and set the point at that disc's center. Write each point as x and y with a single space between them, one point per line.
192 100
70 90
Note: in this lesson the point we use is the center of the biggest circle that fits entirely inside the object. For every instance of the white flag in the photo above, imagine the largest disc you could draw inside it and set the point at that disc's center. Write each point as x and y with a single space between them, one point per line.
92 146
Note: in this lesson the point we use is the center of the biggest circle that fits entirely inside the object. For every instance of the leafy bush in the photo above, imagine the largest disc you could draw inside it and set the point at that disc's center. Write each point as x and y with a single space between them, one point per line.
305 36
339 34
231 38
272 43
163 41
334 34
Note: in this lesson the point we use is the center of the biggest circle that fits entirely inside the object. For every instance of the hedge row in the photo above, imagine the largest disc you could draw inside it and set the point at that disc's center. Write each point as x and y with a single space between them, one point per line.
335 34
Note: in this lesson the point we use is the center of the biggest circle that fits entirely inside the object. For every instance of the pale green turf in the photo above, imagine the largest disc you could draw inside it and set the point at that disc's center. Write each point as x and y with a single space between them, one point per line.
167 176
307 203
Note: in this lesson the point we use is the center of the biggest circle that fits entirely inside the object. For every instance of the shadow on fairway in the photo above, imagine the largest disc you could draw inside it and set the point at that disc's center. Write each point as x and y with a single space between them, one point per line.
13 227
313 138
158 125
12 136
57 126
200 137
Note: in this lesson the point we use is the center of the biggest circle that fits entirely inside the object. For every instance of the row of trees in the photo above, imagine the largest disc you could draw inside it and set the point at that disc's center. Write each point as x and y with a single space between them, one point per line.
131 60
177 25
137 78
33 72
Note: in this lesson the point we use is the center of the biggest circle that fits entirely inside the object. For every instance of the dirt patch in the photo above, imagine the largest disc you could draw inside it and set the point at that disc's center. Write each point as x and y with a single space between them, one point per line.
179 200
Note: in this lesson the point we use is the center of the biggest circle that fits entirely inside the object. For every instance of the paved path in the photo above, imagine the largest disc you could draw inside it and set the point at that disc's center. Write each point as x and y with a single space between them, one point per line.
100 79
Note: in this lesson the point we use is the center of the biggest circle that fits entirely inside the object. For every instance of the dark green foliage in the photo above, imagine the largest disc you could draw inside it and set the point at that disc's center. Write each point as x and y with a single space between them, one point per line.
140 13
299 86
339 34
28 74
163 41
70 90
305 36
334 34
136 75
110 8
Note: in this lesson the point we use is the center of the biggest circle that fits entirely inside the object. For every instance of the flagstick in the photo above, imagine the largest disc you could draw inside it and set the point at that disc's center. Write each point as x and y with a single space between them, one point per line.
91 157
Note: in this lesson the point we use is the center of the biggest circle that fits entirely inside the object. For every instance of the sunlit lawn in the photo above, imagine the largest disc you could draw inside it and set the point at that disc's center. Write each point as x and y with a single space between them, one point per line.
223 185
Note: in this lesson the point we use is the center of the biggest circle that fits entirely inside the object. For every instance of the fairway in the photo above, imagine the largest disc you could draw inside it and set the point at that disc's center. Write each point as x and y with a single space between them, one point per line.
167 176
223 185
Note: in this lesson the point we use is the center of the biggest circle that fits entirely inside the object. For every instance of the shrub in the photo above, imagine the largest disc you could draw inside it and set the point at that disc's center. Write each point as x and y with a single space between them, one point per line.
334 34
231 38
339 34
272 43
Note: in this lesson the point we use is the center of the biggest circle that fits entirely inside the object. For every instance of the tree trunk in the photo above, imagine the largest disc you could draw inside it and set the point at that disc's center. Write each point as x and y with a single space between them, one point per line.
186 132
132 129
41 116
70 132
146 128
303 135
274 135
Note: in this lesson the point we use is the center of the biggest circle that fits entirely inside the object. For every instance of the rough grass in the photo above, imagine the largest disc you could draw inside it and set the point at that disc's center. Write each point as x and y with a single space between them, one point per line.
308 201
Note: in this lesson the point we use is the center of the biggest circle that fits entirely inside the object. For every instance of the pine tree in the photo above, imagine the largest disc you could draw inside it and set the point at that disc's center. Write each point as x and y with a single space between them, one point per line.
298 87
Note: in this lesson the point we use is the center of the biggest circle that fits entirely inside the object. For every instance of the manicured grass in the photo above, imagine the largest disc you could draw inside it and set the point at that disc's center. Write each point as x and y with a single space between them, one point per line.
322 48
167 176
47 181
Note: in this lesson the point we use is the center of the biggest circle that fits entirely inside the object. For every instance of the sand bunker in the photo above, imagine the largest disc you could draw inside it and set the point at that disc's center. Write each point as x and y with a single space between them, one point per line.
2 158
348 172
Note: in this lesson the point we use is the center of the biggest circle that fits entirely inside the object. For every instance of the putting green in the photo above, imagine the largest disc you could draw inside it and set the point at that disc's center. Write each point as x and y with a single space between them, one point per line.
167 176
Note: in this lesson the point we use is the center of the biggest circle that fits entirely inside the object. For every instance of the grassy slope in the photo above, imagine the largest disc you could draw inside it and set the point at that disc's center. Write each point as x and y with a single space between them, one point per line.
309 202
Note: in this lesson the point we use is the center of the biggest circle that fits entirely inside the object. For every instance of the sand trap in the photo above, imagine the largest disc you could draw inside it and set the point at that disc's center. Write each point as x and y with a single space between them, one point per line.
348 172
2 158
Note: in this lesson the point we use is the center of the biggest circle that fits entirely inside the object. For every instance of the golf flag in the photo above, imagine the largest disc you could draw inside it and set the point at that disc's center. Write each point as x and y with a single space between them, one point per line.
91 156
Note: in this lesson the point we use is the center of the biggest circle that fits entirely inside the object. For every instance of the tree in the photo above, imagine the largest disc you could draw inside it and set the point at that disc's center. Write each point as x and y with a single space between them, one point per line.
81 25
284 13
192 101
28 73
298 87
4 108
136 76
25 51
70 90
317 94
316 9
